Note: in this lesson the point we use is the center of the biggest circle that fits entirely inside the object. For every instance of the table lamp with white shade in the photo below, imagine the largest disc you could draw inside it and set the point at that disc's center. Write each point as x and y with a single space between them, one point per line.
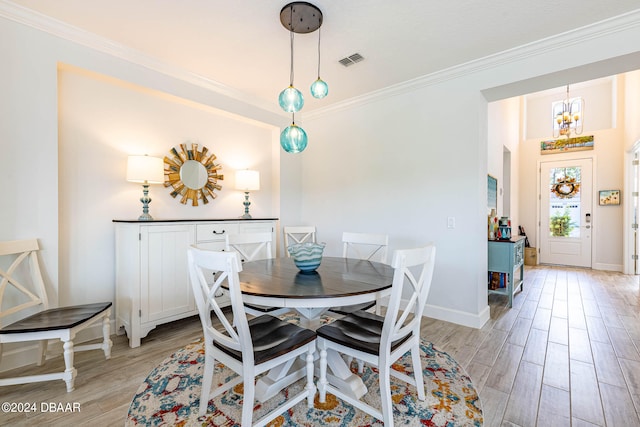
146 170
247 180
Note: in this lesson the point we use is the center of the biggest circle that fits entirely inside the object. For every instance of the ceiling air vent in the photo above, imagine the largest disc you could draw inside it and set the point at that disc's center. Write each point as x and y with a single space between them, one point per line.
351 59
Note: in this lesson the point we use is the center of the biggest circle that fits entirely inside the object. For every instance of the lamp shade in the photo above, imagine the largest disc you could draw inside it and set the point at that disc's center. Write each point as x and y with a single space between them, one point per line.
145 169
247 180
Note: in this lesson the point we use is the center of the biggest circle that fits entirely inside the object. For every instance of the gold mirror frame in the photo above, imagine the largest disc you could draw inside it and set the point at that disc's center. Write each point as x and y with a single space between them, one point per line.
172 178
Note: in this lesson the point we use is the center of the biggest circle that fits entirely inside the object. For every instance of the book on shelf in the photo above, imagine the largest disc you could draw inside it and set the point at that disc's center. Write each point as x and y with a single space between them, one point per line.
497 280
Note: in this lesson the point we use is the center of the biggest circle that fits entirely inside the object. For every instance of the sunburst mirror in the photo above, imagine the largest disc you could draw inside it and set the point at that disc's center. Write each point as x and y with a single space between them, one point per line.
192 173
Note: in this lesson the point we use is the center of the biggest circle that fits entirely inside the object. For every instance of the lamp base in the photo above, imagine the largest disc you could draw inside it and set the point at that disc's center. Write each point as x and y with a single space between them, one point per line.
246 204
145 199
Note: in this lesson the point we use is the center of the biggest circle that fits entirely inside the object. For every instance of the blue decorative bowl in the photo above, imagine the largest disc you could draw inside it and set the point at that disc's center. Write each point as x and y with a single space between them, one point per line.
307 256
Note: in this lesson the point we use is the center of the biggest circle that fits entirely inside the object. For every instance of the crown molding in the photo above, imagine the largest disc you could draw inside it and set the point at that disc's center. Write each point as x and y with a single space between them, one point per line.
65 31
609 26
39 21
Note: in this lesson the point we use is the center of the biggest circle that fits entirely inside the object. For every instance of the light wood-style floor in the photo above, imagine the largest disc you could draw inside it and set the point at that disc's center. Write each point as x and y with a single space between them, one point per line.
566 354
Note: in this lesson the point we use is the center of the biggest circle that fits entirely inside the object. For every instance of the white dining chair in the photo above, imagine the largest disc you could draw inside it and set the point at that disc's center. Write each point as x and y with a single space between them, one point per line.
381 341
365 246
24 305
253 247
247 347
298 234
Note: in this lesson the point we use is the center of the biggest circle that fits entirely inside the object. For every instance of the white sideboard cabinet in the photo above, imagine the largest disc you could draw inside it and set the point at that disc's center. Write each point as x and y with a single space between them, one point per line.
152 279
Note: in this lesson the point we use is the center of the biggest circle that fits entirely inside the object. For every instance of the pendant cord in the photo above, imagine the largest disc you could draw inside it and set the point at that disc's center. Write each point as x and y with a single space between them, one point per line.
291 71
319 52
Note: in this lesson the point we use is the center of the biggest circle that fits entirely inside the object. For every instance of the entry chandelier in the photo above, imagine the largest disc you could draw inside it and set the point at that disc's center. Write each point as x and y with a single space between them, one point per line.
568 116
301 18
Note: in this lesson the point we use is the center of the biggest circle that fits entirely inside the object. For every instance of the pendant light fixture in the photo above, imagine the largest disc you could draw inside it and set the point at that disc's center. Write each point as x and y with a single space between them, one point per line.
319 89
291 99
568 116
293 138
301 18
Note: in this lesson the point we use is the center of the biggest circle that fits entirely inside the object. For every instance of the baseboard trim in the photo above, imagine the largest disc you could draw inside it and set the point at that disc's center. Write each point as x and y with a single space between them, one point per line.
608 267
18 355
458 317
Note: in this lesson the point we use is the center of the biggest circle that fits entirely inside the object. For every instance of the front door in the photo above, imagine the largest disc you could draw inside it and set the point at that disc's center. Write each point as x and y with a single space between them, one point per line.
565 212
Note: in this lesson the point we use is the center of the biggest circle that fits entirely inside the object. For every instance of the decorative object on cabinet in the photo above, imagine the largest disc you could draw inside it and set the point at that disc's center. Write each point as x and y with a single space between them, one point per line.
247 180
504 228
506 257
492 224
609 197
146 170
152 280
563 145
299 18
192 173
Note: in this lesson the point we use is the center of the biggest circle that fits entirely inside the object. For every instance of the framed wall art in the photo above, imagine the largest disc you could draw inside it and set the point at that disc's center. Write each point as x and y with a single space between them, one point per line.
492 193
609 197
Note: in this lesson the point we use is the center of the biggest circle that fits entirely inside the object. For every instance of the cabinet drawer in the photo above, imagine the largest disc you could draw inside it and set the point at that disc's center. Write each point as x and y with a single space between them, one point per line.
209 232
256 227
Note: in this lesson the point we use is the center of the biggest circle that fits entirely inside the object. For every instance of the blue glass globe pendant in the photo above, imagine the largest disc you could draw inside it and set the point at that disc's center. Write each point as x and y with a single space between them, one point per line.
319 89
291 99
293 139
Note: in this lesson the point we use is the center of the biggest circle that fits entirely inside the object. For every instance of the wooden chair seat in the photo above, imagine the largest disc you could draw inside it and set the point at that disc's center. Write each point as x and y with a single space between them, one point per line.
271 338
257 310
57 318
361 330
348 309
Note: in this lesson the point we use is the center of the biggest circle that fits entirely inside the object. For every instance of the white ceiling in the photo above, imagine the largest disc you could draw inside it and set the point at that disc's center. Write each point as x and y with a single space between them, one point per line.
241 44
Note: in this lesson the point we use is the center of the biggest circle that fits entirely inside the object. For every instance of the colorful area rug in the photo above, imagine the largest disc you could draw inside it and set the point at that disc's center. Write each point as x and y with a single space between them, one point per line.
170 396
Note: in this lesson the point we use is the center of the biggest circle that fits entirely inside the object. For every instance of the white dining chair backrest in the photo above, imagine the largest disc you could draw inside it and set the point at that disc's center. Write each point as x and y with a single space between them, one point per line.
298 234
367 246
250 246
413 271
25 252
226 266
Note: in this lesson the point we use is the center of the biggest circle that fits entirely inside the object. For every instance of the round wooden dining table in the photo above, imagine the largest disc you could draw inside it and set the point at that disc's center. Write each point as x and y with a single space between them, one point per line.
277 282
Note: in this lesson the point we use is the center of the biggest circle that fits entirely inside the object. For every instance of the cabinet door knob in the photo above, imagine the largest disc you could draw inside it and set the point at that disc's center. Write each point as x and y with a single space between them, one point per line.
215 232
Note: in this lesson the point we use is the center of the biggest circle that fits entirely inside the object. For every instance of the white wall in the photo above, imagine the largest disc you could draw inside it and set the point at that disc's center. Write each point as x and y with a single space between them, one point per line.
103 120
604 99
504 133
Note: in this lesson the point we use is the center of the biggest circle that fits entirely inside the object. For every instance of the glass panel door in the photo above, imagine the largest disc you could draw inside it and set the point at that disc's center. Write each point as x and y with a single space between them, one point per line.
565 212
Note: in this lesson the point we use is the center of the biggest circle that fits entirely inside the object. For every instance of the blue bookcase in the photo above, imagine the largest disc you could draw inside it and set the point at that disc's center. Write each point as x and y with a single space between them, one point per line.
507 256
